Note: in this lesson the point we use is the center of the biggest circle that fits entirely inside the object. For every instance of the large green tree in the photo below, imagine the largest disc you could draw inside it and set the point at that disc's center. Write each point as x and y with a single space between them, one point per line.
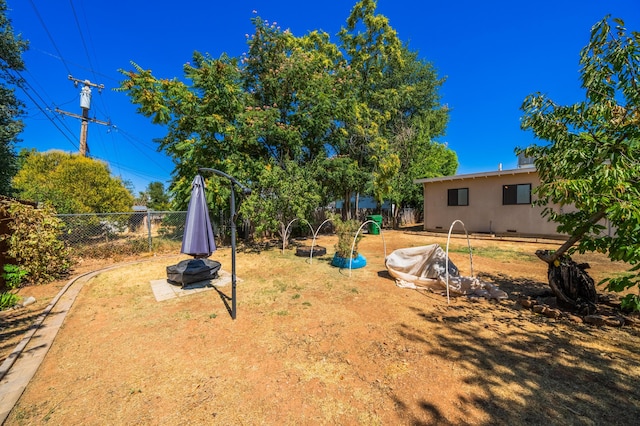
418 120
154 197
394 109
286 192
11 48
291 102
592 158
200 118
292 118
71 183
291 85
274 107
373 49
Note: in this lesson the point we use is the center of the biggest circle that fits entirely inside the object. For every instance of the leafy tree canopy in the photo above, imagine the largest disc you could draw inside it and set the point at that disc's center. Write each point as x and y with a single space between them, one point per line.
419 119
11 48
592 158
286 193
292 102
71 183
155 197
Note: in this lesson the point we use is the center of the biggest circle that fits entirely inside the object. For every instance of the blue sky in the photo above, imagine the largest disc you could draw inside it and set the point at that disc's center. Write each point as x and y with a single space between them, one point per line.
492 54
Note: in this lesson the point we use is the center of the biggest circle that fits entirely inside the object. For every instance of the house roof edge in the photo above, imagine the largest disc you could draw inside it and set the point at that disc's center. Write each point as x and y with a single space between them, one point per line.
523 170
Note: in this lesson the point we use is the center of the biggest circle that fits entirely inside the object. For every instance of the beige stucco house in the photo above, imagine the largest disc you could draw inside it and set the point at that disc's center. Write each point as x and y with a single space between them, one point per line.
497 202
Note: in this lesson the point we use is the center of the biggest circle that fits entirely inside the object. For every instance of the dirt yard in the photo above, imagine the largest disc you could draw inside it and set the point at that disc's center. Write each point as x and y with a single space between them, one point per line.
313 345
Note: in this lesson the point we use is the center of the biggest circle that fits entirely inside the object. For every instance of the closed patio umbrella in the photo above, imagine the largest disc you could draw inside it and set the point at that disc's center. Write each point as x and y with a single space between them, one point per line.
198 240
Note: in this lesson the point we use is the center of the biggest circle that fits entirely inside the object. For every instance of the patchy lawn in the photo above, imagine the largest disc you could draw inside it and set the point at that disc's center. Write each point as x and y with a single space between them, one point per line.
313 345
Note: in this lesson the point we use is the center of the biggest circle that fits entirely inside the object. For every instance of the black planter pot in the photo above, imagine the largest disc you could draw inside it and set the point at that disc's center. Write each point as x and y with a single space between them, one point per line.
305 251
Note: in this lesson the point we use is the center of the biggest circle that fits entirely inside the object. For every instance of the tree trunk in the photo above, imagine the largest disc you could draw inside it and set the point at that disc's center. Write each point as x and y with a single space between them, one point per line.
283 235
346 206
357 206
571 284
551 257
395 213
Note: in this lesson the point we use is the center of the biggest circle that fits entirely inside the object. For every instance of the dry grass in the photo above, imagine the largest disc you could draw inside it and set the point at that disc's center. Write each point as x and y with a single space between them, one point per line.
313 345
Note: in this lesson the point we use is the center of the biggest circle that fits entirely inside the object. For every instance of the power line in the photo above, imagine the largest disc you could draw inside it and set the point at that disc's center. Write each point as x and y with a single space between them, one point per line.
39 89
36 97
94 72
84 44
125 134
35 9
132 171
56 119
132 140
86 49
86 94
22 82
85 105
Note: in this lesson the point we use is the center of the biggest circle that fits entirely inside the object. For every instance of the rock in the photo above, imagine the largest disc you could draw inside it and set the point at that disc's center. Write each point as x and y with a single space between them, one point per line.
574 318
527 303
598 320
601 320
547 311
28 301
550 301
614 321
552 313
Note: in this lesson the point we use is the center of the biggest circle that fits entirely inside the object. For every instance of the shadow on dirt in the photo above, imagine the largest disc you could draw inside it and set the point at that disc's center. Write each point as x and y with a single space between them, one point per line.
530 369
14 325
226 300
518 288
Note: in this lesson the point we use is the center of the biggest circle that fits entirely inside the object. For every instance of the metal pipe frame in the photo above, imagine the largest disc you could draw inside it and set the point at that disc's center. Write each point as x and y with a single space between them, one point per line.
233 181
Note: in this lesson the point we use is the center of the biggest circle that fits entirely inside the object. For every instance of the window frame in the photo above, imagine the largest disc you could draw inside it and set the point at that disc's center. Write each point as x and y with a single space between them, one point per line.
450 191
511 198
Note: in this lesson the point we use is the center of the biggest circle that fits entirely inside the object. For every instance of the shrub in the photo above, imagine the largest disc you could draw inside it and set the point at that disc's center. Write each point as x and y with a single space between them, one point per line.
8 300
34 243
346 231
13 276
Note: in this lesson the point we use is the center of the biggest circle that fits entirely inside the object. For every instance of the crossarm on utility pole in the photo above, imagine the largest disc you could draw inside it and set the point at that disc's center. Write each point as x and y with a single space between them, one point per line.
93 120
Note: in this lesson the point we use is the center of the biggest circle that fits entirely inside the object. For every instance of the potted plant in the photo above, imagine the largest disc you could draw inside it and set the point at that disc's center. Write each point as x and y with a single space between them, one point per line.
346 231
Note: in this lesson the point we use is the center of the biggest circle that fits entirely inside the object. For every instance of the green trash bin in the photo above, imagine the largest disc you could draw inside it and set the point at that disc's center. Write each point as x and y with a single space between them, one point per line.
373 229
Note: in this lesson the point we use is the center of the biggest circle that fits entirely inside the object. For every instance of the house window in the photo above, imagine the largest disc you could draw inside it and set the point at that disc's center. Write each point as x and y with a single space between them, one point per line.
516 194
458 197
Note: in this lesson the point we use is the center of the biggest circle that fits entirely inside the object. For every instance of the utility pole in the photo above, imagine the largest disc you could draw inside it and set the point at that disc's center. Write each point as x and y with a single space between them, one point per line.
85 104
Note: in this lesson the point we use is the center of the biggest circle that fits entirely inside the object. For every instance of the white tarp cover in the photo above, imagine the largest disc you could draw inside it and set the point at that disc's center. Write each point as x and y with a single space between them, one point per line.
424 268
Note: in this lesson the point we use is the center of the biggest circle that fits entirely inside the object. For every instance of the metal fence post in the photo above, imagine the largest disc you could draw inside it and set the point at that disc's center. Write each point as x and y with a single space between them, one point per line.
149 230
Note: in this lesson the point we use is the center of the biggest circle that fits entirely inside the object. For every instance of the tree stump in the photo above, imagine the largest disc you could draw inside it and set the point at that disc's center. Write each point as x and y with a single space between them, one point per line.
571 284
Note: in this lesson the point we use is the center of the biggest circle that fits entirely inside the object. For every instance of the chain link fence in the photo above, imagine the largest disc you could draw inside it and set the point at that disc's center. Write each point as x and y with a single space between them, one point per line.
105 234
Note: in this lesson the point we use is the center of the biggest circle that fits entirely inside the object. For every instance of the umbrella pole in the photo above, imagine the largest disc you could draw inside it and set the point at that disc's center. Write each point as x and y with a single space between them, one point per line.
233 253
245 190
